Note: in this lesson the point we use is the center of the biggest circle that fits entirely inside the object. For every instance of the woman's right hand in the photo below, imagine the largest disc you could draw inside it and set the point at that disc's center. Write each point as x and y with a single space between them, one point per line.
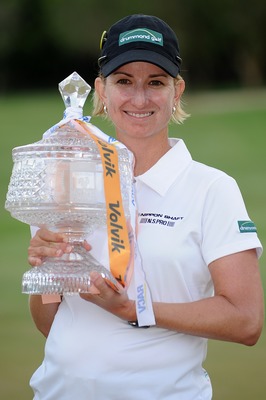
46 243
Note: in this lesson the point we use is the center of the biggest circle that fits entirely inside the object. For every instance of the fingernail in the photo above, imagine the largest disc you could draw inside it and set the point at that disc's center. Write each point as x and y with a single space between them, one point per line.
69 249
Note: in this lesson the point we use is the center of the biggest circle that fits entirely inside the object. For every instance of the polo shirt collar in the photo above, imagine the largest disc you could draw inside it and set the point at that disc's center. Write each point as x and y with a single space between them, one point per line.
163 174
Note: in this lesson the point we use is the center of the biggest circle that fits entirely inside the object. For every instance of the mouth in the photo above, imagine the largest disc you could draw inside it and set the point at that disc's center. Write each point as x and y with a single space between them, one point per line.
139 115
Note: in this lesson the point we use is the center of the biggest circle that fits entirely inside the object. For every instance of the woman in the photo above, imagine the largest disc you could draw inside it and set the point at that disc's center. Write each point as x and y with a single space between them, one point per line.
201 269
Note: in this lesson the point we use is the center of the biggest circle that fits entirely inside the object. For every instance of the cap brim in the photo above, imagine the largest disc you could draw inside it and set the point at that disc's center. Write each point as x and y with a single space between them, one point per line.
140 55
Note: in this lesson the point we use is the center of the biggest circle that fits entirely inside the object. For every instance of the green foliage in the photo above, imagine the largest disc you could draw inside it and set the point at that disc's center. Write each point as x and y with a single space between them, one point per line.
222 42
226 130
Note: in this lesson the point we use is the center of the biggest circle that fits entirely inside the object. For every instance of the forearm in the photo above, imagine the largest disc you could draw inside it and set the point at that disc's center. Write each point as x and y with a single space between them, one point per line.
235 313
212 318
42 314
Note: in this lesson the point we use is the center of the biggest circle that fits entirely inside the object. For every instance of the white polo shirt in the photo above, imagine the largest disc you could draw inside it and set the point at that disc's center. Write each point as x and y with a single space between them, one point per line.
189 215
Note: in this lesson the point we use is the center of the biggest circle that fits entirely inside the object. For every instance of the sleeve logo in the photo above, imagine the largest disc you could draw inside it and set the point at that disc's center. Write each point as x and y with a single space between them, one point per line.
246 227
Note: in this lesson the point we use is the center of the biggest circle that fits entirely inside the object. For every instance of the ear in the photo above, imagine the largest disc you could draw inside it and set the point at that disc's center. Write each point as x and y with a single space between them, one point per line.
179 89
99 87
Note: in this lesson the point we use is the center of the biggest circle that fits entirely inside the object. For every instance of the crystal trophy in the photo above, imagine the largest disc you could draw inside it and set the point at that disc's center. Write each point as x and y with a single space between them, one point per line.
58 183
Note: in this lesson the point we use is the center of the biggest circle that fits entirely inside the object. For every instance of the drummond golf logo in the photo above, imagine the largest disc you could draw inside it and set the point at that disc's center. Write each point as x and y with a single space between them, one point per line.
141 35
246 227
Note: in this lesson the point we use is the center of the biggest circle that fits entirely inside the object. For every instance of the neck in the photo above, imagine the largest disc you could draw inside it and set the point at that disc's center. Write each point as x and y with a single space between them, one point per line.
147 152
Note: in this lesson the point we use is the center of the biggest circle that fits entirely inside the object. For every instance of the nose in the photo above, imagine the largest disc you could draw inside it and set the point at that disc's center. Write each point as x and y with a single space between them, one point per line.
139 98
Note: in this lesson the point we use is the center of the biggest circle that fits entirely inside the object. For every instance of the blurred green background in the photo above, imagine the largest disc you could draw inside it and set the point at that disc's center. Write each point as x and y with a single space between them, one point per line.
222 44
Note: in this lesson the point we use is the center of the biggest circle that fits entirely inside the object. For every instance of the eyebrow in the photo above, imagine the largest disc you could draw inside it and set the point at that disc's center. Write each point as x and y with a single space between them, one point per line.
150 76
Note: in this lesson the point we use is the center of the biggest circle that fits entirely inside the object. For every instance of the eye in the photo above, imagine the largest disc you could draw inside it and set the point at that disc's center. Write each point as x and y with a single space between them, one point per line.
156 82
123 81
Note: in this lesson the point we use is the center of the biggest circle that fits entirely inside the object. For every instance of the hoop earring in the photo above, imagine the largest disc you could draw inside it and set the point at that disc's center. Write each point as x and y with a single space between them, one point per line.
104 109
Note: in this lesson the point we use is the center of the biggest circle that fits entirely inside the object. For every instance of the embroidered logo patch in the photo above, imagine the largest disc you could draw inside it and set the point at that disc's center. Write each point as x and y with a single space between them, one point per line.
246 227
141 35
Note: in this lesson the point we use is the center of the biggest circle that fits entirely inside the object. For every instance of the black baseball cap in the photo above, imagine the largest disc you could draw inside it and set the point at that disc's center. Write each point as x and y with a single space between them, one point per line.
139 37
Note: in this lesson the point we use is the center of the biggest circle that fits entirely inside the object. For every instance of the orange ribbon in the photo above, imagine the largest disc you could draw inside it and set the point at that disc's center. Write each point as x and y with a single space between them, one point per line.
118 236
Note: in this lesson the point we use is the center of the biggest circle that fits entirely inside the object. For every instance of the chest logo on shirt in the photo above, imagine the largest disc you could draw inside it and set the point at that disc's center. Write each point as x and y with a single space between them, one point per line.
159 219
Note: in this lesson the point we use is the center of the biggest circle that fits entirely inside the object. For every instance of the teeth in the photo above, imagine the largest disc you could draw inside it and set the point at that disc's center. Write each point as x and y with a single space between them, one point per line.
138 115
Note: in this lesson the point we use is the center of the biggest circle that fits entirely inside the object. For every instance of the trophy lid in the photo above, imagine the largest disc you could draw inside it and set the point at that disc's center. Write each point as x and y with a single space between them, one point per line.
64 170
64 137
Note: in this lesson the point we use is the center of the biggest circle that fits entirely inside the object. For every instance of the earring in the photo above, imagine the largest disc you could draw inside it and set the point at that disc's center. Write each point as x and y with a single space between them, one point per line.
173 109
104 109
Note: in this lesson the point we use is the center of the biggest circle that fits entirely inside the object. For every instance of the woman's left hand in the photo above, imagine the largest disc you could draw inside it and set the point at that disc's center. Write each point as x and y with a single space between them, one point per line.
110 300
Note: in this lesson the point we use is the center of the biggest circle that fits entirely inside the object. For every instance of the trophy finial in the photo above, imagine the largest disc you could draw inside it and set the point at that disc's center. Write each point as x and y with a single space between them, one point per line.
74 90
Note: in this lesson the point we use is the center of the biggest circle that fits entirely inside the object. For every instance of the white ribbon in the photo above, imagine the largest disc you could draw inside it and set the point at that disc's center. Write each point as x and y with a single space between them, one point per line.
70 114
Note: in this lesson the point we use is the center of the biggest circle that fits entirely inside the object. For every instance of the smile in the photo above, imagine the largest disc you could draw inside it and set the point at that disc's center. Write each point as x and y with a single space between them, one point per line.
140 115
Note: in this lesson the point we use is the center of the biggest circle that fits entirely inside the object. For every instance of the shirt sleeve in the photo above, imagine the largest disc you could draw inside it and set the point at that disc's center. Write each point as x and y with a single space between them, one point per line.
226 225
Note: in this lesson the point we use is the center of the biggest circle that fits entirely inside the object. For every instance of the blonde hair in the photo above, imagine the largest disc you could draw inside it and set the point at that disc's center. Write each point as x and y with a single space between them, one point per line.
178 115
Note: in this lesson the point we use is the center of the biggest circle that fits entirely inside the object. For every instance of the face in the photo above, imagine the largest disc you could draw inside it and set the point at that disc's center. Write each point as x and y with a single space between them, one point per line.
139 98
